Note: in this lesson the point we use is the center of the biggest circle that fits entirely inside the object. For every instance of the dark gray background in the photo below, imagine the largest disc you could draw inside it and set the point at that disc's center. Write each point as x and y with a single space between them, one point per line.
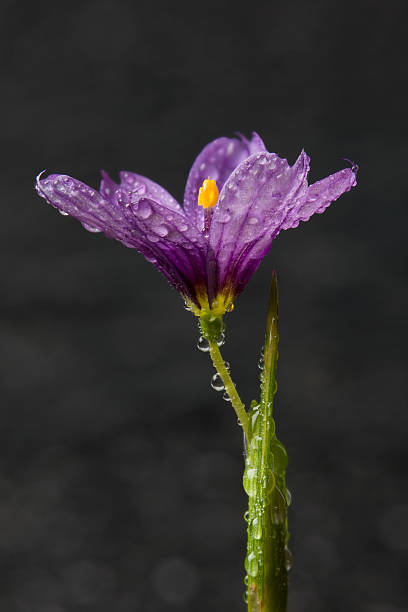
120 469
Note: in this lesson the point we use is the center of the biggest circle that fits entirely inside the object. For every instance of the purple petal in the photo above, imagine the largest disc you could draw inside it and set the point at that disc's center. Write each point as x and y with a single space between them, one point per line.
147 188
216 161
320 195
177 239
252 205
165 237
96 213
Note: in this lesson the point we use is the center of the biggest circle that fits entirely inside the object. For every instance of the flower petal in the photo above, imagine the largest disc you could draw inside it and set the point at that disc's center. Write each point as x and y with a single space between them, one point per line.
96 213
165 237
252 205
216 161
176 237
149 189
320 195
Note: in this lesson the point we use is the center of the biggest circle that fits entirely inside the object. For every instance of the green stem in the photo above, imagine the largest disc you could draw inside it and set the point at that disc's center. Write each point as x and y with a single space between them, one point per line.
264 481
219 365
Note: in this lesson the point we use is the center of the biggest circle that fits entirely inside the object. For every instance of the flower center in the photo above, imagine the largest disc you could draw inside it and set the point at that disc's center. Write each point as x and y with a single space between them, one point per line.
208 194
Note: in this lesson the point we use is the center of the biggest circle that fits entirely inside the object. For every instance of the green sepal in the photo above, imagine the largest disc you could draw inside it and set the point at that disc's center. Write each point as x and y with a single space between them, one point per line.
211 326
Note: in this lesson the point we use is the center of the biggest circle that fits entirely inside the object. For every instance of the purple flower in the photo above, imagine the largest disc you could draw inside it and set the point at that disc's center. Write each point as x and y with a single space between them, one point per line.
208 252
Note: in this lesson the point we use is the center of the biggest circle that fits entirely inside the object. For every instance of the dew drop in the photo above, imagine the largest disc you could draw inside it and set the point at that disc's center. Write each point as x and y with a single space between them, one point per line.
268 482
251 564
246 516
183 227
288 496
230 307
225 217
216 383
186 306
203 345
90 228
152 237
221 339
246 580
226 397
63 213
249 481
245 597
227 365
257 528
261 363
288 559
144 210
161 230
253 220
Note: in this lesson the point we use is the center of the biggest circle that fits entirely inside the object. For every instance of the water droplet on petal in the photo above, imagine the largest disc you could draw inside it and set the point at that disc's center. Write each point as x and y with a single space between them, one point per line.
288 496
226 397
186 306
203 345
246 580
152 238
144 210
261 363
63 213
94 230
251 564
161 230
216 383
246 516
253 220
230 307
227 365
225 217
183 227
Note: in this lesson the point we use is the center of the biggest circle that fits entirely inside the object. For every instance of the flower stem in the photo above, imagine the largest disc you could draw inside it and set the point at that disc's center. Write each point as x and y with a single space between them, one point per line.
219 365
267 560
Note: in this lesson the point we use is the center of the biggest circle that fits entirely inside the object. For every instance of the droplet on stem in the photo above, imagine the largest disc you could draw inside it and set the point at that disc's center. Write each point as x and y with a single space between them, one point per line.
217 383
203 344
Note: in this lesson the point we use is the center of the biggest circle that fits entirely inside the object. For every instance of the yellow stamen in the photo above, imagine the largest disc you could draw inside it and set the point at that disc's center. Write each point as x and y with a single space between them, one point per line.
208 194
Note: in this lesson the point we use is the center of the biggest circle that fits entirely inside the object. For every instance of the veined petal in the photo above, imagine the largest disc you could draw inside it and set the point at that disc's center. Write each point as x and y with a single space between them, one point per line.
95 212
175 236
253 203
149 189
319 196
165 237
216 161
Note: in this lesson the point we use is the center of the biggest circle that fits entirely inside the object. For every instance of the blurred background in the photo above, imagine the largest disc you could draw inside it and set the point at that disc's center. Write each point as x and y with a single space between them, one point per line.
120 468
